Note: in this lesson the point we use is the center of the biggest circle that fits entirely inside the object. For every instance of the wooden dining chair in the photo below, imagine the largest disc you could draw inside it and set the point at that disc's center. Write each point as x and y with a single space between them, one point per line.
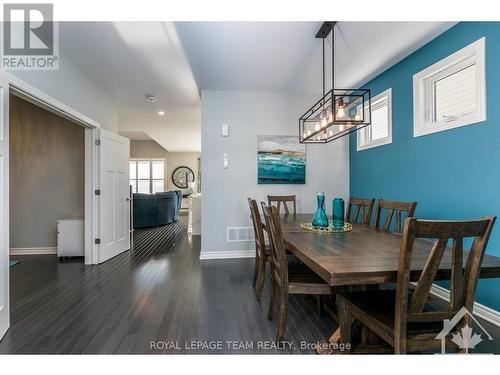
288 278
262 252
402 317
393 208
357 206
283 199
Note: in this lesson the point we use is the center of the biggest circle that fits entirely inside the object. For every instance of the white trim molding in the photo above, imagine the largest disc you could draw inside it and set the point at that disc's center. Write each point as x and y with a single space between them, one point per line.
364 134
33 251
28 92
424 93
481 311
227 254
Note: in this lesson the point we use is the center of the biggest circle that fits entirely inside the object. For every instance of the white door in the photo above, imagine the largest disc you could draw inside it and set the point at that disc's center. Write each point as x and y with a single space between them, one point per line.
4 206
114 217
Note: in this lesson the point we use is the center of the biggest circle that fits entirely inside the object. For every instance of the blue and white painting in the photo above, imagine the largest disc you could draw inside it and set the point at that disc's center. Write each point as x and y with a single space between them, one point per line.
281 160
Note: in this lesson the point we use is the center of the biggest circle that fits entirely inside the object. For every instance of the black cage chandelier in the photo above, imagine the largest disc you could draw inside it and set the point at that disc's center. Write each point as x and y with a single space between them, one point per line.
340 111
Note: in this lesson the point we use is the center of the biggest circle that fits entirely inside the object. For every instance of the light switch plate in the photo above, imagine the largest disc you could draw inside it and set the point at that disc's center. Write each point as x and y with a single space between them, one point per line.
225 130
226 160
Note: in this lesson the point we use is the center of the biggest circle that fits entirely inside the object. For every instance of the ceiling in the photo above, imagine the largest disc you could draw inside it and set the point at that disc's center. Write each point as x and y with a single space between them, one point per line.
174 61
285 56
135 135
132 59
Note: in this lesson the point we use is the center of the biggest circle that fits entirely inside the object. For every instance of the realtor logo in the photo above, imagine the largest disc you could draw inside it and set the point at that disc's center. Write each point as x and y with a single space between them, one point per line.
465 338
30 38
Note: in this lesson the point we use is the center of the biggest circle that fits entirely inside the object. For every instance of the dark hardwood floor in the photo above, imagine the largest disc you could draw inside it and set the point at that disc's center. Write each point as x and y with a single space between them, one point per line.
159 291
157 294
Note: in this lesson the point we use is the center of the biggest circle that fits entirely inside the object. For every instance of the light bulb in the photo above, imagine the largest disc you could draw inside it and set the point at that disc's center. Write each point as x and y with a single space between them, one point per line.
358 117
316 127
330 132
324 122
330 117
341 128
340 109
309 132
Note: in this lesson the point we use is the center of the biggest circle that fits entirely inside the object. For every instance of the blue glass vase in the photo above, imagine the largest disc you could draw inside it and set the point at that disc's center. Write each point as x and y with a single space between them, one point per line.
320 219
338 213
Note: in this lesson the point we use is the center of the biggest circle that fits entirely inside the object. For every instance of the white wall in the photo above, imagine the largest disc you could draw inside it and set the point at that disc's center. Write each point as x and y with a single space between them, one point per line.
75 88
225 191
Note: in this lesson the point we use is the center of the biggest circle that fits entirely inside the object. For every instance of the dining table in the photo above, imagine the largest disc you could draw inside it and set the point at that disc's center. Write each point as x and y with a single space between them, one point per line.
364 256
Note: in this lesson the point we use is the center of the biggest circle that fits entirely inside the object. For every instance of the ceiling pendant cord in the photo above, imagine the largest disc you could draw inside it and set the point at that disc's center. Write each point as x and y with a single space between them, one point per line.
323 72
334 113
333 58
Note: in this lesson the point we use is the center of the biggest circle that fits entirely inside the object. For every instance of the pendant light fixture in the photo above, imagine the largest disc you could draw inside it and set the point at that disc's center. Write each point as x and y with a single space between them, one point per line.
340 111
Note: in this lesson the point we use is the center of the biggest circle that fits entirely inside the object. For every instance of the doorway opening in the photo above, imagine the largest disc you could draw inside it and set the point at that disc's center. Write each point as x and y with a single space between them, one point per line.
47 182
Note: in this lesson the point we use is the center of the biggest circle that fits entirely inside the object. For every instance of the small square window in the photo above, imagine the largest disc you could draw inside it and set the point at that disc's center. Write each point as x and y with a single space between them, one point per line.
451 93
379 132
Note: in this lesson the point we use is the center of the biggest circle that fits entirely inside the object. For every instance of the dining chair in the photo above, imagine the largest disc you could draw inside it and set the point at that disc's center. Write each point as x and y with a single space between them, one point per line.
262 252
360 206
392 209
283 199
288 278
402 317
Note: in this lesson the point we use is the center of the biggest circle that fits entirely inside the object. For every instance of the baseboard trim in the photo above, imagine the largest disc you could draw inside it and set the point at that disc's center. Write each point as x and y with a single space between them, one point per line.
33 251
482 311
227 254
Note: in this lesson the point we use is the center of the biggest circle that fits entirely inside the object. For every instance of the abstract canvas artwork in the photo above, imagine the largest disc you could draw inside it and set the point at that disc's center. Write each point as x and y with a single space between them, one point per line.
281 160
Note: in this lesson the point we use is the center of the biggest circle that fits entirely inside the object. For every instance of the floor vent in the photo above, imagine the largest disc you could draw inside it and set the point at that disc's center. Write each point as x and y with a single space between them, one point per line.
240 234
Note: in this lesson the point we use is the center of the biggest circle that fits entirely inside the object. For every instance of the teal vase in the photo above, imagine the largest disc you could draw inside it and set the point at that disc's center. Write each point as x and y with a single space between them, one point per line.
338 213
320 218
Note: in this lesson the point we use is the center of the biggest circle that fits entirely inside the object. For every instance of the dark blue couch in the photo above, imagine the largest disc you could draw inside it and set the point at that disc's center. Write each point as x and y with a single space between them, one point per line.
151 210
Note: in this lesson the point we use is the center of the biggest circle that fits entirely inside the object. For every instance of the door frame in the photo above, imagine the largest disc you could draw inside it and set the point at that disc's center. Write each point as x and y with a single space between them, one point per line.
30 93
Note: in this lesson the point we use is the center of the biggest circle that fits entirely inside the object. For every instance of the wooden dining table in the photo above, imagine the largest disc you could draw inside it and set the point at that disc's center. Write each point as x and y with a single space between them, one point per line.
363 256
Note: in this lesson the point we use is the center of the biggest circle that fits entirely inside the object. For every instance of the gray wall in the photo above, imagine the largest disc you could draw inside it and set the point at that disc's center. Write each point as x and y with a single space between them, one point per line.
152 150
47 160
250 114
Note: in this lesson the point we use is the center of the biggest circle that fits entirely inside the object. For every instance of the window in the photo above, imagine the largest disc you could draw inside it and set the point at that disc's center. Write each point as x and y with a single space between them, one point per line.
380 131
147 176
452 92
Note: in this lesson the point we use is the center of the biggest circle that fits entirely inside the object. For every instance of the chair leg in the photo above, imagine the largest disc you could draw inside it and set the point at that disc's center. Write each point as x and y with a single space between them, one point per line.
271 299
344 323
260 279
256 270
282 317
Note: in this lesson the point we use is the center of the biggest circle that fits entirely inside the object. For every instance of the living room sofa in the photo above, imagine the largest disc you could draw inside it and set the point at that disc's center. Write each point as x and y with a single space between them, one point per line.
152 210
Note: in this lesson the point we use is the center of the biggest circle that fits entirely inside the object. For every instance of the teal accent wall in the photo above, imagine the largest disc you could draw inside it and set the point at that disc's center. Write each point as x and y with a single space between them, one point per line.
454 174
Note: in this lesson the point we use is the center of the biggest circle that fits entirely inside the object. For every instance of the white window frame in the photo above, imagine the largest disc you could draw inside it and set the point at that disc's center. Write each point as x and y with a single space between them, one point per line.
151 179
382 141
423 81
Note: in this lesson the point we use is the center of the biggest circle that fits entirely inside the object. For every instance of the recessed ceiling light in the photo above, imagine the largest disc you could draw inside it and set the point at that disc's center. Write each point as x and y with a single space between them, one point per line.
150 99
161 113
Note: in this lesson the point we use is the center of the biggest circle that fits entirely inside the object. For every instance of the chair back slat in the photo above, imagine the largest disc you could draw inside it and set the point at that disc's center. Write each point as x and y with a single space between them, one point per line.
283 199
362 210
278 251
260 242
427 276
457 292
394 209
463 280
